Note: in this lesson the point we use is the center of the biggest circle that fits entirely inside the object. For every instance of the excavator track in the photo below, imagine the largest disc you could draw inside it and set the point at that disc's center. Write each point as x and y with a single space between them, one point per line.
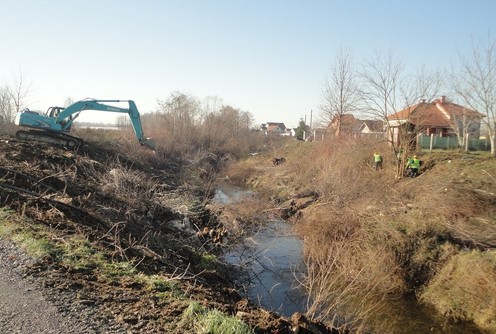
59 139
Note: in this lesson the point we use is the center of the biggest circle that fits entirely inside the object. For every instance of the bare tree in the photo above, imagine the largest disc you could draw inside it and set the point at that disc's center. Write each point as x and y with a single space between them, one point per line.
181 112
423 85
476 84
416 92
19 89
341 93
68 101
210 104
381 77
464 124
387 91
6 107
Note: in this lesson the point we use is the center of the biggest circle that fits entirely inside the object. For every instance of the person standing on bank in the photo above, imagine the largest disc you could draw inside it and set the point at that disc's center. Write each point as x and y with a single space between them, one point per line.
377 161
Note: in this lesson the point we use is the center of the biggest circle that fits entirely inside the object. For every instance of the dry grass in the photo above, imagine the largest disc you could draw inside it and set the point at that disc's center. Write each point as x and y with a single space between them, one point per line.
465 289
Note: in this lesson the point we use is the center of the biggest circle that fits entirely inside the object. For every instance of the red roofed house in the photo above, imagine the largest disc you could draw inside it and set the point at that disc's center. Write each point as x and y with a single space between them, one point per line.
274 128
439 117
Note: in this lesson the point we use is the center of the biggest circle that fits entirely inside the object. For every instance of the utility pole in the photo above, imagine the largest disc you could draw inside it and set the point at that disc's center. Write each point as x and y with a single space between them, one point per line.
311 114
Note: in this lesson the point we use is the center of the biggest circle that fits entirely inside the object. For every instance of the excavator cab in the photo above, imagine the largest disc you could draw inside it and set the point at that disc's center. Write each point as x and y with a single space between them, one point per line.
53 112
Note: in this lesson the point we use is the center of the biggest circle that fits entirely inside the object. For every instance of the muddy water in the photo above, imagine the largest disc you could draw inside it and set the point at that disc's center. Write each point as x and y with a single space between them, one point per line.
270 259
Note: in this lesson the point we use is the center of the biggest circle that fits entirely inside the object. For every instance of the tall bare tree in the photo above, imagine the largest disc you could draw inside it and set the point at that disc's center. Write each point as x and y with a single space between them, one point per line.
416 93
475 83
381 77
341 93
19 89
424 84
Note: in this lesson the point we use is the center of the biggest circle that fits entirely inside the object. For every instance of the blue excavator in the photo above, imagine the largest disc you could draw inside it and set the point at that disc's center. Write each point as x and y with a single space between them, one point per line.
54 126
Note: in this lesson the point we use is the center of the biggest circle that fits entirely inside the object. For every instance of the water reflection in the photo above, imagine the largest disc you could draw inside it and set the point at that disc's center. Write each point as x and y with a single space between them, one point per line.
227 193
271 260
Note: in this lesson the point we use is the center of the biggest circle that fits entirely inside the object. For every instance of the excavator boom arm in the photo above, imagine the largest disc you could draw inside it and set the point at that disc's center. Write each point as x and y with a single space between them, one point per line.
70 113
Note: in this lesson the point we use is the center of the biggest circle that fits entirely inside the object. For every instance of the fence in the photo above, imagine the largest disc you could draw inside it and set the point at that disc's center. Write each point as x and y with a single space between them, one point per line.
323 135
449 143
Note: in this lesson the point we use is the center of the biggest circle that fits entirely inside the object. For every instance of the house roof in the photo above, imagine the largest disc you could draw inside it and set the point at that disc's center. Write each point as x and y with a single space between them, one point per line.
347 120
275 127
276 124
354 125
373 125
438 113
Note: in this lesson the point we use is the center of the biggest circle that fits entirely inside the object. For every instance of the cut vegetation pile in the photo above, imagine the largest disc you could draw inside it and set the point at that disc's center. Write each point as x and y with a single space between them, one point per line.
372 240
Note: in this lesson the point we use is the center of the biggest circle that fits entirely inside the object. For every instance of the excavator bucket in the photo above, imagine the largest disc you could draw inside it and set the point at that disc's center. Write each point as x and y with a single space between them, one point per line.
150 143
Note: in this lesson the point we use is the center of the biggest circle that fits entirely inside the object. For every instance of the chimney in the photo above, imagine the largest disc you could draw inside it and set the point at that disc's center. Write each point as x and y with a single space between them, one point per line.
442 99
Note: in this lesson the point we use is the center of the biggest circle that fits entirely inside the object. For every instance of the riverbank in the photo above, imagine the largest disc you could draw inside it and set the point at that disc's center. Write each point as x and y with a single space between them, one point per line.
372 239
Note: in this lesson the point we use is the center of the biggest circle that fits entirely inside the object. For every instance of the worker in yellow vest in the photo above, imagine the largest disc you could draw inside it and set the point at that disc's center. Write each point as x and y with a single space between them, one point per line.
377 161
414 166
408 166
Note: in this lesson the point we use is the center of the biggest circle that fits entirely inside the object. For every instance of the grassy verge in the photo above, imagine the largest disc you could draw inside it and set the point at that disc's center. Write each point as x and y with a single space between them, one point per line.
208 321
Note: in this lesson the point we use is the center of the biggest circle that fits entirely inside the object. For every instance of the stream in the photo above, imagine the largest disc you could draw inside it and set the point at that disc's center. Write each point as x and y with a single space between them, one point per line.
270 260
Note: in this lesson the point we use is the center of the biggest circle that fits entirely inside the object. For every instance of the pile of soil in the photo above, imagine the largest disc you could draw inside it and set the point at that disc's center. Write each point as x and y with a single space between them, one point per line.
110 201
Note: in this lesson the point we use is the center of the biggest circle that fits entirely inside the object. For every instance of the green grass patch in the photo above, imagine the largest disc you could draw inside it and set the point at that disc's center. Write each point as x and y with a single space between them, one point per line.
78 254
208 261
164 288
72 252
33 239
113 271
35 245
213 321
9 224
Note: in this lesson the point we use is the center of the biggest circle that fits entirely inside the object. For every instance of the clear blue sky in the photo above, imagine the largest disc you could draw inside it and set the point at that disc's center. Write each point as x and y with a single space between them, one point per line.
268 57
